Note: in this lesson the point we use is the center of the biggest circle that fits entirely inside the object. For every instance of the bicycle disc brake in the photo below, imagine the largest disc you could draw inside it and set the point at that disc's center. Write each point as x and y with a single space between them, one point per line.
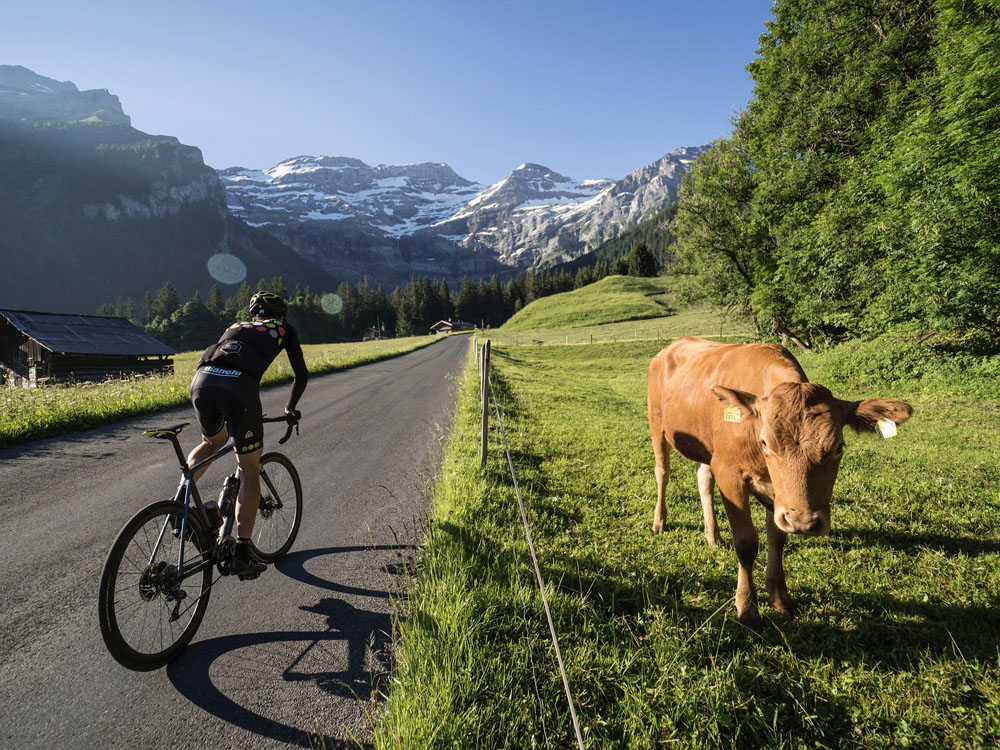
268 505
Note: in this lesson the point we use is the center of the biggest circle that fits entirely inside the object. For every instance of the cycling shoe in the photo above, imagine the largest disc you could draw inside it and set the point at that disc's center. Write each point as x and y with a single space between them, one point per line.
246 567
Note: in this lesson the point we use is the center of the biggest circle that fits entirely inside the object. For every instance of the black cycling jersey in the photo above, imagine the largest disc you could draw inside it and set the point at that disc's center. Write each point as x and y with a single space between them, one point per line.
252 346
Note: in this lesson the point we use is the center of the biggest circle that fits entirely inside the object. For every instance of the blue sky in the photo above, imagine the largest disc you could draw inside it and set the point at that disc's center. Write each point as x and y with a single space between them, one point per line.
589 89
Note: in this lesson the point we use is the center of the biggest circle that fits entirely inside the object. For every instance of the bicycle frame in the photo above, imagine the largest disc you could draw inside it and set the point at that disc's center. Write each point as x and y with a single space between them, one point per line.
188 490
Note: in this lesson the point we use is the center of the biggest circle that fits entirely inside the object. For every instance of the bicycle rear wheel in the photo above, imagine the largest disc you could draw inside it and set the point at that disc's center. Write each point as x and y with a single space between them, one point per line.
280 510
147 616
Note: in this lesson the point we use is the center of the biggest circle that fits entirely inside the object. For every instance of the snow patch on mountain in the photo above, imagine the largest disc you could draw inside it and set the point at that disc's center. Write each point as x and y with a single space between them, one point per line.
341 208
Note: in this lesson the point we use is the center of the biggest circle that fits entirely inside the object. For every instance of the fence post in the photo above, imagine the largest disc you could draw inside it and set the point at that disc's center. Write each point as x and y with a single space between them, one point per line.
486 401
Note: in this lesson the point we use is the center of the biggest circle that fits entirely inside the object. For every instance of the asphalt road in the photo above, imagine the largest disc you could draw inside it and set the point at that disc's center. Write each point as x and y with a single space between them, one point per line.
296 651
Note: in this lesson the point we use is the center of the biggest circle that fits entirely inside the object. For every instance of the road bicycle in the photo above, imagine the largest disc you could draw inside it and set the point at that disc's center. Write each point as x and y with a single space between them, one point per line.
159 573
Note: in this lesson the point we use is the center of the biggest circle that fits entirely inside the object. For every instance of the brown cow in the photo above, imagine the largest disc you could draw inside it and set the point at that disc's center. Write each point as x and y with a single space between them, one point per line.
748 416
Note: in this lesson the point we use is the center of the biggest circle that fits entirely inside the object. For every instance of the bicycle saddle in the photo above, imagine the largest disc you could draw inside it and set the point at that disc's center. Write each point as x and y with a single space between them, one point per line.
164 433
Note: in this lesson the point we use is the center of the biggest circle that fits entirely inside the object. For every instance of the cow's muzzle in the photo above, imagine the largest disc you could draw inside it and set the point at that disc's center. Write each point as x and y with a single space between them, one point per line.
807 523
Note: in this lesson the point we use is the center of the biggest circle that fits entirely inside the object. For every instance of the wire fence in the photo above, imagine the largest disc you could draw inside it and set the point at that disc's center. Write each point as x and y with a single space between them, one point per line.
636 334
487 394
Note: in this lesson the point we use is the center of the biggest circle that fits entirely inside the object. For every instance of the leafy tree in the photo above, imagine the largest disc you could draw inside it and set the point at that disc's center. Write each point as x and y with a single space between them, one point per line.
858 189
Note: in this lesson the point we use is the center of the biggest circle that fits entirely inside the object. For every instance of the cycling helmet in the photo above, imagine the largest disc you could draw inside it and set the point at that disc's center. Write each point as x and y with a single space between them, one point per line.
268 303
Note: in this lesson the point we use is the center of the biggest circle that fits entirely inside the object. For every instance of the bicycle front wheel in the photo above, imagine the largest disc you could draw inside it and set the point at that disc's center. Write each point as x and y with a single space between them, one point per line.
147 613
280 510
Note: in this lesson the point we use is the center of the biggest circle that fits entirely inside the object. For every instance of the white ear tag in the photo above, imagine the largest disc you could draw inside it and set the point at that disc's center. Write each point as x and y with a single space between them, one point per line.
731 414
886 428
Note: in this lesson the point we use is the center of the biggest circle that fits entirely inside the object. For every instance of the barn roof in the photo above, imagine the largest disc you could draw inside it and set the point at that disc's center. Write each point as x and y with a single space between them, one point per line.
85 334
452 323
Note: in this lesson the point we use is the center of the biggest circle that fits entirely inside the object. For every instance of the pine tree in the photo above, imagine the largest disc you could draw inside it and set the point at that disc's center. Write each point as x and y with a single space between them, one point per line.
641 261
214 303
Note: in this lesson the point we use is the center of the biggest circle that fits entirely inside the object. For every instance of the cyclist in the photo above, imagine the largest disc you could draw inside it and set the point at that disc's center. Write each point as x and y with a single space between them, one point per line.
225 393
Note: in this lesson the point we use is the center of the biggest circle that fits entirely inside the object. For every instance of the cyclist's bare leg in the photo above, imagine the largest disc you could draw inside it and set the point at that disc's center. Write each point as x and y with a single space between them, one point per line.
207 447
249 497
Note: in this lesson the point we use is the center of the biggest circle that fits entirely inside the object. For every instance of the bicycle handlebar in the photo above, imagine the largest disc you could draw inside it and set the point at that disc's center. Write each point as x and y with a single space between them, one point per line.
293 422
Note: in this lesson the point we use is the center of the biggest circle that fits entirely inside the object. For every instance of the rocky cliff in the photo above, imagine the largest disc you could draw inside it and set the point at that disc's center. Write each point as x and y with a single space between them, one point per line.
29 97
92 209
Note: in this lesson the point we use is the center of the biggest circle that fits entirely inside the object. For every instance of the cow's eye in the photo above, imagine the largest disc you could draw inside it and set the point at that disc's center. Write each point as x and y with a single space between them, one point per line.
763 442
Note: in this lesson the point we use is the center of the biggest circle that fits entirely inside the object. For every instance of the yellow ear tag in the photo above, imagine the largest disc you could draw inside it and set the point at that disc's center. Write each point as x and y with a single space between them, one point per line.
731 414
886 428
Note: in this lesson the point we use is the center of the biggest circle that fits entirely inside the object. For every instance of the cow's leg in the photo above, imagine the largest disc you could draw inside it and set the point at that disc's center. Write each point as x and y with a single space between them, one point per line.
736 498
661 449
774 578
706 486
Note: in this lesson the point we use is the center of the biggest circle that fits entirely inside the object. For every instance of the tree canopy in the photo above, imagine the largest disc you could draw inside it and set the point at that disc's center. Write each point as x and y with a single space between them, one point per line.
858 189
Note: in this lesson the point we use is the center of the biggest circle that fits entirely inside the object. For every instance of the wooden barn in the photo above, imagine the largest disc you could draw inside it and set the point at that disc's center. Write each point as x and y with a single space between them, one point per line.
37 347
450 326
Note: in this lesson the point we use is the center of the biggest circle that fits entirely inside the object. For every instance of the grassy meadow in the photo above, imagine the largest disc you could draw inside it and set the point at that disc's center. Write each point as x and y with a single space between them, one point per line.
616 308
610 300
53 410
896 642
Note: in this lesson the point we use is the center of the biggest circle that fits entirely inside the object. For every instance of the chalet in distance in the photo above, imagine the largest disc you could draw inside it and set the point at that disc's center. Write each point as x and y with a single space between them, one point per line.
37 347
451 326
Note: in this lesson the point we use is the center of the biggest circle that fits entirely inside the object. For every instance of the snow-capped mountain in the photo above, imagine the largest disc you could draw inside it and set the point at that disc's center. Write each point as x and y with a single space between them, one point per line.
393 200
389 221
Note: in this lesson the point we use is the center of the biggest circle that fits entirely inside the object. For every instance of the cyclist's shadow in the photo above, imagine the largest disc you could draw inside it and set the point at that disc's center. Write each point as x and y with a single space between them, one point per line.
365 634
365 639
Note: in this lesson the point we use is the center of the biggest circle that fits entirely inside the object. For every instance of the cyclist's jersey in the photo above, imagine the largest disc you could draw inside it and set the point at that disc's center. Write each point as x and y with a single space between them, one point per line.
250 347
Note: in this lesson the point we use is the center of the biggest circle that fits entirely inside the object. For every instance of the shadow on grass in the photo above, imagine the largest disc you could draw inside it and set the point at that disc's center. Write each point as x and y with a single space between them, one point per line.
892 633
949 544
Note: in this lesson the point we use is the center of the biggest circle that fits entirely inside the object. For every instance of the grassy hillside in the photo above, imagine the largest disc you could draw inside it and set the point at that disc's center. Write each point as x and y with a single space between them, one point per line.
610 300
692 321
895 644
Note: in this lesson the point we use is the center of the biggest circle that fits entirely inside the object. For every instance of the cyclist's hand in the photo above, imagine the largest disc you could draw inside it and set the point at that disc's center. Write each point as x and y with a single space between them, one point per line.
293 415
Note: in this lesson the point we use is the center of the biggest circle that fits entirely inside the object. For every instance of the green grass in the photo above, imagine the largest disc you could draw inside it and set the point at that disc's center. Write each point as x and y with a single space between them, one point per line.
617 308
696 321
32 414
610 300
896 644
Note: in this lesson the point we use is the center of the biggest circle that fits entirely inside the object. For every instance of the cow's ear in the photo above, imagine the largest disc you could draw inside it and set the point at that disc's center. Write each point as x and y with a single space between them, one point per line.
745 402
864 416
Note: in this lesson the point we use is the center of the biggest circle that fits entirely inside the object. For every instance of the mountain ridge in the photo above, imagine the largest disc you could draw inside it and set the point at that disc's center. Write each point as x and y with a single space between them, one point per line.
425 218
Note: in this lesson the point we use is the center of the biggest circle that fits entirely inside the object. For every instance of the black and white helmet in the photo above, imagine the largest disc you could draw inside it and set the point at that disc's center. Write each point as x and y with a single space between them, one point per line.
268 303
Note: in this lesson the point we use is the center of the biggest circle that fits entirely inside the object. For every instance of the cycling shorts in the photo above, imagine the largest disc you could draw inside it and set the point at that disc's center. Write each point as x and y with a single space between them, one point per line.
229 398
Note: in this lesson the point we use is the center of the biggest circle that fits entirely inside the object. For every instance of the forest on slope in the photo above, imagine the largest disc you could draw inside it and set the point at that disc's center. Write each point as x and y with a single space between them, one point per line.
859 189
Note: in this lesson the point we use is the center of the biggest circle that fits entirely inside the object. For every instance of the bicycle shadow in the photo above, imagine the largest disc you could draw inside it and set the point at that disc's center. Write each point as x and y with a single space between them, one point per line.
244 679
218 673
294 566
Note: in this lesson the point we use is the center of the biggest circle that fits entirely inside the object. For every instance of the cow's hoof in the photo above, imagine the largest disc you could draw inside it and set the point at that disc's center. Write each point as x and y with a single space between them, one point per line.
713 541
751 618
657 527
786 608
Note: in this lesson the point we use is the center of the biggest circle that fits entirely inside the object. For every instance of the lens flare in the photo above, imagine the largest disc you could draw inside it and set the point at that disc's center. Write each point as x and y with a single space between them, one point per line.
332 303
226 268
